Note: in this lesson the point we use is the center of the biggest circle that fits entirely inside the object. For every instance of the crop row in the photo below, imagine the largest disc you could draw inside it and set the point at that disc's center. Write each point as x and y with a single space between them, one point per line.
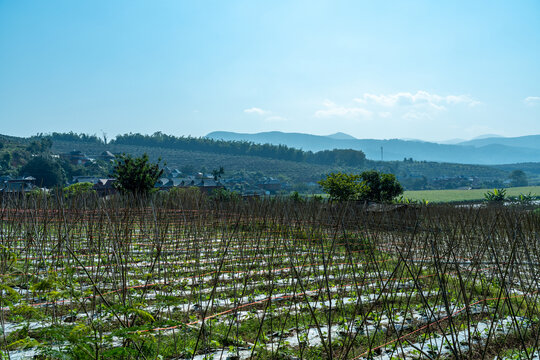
189 278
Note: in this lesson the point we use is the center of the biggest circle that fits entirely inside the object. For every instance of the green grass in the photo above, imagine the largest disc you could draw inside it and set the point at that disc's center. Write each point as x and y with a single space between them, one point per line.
465 195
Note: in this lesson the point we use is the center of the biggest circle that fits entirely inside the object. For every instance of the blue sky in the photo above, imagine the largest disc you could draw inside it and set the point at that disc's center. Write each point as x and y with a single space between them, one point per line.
431 70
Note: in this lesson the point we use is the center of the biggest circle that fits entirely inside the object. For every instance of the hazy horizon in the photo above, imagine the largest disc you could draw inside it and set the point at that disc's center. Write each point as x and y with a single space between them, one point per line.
441 141
425 70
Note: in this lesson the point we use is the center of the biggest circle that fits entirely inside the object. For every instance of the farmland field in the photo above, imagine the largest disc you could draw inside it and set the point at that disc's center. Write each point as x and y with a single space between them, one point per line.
184 277
465 195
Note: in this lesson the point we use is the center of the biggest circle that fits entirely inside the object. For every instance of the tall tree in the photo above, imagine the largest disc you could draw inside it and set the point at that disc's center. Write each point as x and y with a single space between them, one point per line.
368 186
379 187
518 178
47 171
341 186
136 175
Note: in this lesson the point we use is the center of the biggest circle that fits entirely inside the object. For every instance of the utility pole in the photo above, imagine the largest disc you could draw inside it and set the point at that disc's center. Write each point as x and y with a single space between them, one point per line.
382 157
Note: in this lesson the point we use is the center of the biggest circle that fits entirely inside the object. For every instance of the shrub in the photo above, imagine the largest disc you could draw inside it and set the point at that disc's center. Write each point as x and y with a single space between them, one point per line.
224 195
497 195
525 198
79 189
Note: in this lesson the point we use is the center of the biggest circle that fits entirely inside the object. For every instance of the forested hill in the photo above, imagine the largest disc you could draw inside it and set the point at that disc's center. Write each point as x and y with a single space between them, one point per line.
528 141
293 165
244 156
345 157
486 151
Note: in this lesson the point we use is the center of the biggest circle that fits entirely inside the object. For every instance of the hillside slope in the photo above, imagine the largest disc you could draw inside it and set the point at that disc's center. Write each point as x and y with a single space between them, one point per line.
296 171
529 141
481 152
413 174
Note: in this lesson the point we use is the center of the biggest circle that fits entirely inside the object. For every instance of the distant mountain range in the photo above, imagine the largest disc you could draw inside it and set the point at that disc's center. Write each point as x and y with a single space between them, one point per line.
492 150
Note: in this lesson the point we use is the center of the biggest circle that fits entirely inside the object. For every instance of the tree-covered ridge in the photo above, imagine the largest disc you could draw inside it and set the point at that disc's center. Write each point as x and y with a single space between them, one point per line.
494 151
212 154
411 174
346 157
71 136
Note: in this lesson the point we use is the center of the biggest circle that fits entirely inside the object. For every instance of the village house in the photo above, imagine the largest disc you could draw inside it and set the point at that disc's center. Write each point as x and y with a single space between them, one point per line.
270 184
18 185
205 185
106 156
105 187
76 157
85 179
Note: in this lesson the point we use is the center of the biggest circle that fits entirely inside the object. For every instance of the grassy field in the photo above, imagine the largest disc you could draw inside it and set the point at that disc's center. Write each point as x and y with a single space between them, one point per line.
465 195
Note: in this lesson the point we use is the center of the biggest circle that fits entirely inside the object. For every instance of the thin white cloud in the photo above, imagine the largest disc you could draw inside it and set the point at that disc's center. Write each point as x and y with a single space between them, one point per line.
419 98
413 106
532 100
333 110
256 110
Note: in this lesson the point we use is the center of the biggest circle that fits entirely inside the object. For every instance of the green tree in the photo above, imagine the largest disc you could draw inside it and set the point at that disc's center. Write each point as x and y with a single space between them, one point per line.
368 186
98 167
341 186
518 178
47 171
136 175
71 170
43 145
378 186
79 189
5 159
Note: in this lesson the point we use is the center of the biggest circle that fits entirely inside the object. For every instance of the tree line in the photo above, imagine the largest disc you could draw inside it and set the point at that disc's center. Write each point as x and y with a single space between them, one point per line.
343 157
